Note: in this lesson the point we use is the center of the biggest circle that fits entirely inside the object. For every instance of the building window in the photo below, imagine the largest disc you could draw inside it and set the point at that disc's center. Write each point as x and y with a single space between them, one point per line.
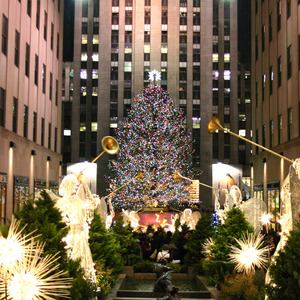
115 2
4 34
183 3
256 94
271 79
164 18
256 47
36 70
96 8
44 78
290 122
288 8
34 126
270 28
279 70
43 132
196 3
49 136
264 78
263 34
257 140
56 92
57 46
183 18
45 26
17 48
279 129
29 8
115 19
128 17
25 115
271 133
52 36
299 51
50 86
55 139
38 8
278 15
264 135
15 115
2 106
147 2
85 9
289 62
27 60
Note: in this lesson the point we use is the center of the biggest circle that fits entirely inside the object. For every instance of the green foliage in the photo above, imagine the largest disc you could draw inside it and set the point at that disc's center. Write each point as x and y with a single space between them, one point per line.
104 246
150 229
285 270
82 289
202 231
241 287
144 266
104 279
178 268
129 250
177 235
217 266
45 219
4 229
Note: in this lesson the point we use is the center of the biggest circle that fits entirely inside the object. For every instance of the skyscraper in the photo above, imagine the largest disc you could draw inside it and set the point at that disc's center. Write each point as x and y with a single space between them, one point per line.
276 100
194 46
30 99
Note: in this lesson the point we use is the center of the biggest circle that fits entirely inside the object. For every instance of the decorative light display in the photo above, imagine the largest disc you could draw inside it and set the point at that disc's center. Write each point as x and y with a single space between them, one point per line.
249 254
154 75
38 278
77 206
265 219
154 140
13 249
209 242
24 273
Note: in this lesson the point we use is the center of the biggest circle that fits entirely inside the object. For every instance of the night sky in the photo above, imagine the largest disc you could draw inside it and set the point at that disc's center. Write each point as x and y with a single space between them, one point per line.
244 35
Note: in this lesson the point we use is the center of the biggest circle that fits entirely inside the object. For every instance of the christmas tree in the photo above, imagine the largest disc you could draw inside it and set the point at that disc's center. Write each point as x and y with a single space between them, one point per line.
155 141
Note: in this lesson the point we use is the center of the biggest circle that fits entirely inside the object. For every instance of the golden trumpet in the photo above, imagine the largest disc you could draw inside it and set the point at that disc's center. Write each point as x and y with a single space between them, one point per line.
110 145
215 124
177 176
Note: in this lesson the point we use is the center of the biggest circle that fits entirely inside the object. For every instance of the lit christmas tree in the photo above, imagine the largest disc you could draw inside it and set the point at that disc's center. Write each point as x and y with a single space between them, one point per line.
155 141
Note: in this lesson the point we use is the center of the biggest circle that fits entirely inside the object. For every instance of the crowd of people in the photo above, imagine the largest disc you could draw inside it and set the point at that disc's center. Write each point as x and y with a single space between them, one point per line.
159 245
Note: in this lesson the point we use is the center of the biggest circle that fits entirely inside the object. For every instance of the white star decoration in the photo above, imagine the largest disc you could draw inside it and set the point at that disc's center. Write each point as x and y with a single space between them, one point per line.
154 75
249 254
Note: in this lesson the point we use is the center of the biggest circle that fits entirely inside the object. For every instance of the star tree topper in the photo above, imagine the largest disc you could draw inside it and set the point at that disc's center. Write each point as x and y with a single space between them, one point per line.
154 75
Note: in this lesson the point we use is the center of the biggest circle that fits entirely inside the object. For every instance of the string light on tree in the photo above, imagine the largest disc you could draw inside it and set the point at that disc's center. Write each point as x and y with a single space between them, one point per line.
154 140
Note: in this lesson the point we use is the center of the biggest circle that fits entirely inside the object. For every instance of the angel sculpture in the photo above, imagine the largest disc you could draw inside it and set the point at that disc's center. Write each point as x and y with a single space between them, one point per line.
109 218
77 205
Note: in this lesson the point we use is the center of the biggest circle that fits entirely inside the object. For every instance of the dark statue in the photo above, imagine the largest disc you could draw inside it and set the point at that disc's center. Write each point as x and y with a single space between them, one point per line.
163 283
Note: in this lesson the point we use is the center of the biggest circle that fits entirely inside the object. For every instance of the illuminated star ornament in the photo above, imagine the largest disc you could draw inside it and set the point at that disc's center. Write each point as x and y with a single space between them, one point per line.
209 242
266 219
25 273
249 254
154 75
